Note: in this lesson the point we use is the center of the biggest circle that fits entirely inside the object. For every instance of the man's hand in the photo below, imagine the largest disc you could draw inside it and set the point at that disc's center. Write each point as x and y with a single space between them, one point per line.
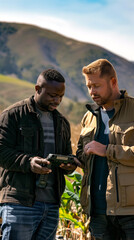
71 166
95 148
37 165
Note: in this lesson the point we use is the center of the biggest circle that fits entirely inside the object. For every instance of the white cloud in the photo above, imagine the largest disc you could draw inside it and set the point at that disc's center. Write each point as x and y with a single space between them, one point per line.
112 34
39 20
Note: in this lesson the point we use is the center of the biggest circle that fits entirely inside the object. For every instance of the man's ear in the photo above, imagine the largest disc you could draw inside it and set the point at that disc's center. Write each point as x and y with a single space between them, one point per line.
114 81
38 89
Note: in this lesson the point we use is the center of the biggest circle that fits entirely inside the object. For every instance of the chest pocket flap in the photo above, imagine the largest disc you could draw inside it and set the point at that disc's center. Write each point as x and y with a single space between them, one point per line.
125 134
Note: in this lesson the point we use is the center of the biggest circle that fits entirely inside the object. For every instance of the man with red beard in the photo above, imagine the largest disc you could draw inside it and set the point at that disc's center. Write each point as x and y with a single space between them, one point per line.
106 151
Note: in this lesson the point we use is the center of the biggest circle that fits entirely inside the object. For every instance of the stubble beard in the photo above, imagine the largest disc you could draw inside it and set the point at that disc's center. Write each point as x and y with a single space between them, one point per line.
105 100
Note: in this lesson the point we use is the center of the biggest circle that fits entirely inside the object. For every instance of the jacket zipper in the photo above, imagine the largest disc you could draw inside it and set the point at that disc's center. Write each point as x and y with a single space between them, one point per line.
92 159
116 182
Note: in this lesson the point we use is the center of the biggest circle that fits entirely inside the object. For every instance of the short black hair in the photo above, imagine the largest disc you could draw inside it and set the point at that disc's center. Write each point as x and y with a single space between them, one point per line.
52 75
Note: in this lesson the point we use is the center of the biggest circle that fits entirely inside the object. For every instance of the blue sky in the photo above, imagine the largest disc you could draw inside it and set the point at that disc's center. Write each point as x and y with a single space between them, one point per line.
107 23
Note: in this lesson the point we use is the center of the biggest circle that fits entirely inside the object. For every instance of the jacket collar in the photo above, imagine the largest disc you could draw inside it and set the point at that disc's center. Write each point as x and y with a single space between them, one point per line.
31 104
118 103
94 108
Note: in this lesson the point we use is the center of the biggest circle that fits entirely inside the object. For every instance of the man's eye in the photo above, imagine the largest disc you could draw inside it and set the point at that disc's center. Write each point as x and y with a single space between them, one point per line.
52 96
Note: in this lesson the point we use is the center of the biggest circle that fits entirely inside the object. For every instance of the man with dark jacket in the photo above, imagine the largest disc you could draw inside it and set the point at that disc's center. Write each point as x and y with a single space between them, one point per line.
106 150
31 188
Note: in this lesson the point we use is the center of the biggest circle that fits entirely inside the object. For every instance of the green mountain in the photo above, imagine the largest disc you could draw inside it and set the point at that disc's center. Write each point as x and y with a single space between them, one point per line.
13 90
27 50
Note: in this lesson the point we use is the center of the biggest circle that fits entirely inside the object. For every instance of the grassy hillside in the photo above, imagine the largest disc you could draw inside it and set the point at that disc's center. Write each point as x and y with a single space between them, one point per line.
27 50
13 90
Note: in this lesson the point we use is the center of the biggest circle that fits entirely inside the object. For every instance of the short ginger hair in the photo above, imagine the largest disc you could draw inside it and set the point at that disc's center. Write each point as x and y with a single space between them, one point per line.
102 66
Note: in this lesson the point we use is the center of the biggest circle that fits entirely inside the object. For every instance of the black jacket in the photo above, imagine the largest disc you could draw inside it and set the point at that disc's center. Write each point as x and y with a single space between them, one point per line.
21 137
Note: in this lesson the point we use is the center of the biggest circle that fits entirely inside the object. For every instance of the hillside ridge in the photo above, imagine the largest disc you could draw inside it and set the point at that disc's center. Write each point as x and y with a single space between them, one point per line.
26 50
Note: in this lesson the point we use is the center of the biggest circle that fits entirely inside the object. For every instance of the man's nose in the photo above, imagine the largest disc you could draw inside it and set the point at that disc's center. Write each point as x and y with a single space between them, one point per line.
57 100
92 91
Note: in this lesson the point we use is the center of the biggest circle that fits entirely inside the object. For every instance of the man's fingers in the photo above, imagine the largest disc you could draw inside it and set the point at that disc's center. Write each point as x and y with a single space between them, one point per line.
39 165
68 166
77 162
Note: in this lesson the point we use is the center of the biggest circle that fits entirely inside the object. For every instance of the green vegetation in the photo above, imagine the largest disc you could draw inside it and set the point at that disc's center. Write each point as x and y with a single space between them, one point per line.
73 223
15 81
13 90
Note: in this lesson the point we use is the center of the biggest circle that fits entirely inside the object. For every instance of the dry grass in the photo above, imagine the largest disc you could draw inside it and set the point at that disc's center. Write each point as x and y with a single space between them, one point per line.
75 133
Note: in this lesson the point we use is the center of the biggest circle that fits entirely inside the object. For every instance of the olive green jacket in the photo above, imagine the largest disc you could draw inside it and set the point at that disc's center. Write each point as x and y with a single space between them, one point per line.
120 156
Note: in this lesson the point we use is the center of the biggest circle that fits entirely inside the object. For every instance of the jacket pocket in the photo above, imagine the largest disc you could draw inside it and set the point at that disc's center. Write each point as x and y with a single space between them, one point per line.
125 134
128 136
126 184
